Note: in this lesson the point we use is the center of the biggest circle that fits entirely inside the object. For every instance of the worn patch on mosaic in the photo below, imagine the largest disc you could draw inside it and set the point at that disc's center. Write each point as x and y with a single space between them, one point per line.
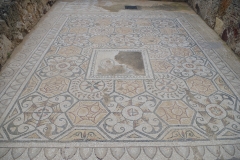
119 64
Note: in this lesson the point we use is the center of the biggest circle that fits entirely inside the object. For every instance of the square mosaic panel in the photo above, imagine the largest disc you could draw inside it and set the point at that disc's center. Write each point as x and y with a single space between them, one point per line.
119 64
117 78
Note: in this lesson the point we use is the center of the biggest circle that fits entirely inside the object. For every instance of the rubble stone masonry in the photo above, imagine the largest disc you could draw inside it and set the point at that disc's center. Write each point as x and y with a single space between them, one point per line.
17 18
223 16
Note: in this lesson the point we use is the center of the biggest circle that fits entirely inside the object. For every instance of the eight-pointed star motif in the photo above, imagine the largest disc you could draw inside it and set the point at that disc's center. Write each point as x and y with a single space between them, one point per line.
90 89
166 86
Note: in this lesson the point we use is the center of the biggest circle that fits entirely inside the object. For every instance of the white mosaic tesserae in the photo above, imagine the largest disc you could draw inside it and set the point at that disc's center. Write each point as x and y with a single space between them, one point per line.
130 84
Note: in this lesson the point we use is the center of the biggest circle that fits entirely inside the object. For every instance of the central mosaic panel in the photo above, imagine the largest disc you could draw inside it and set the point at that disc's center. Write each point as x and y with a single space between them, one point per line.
119 64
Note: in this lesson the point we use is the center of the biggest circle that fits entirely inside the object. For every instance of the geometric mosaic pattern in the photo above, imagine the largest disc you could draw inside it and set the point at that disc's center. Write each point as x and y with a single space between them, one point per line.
107 78
65 101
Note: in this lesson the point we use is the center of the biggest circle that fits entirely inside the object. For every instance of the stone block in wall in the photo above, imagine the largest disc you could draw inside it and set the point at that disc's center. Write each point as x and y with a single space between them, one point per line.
219 26
207 9
223 16
238 48
230 15
5 49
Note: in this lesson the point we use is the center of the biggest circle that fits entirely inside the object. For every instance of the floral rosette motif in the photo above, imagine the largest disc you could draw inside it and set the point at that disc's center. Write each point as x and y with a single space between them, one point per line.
124 23
176 40
90 89
99 30
214 113
146 31
65 40
162 23
80 22
66 67
187 67
82 40
132 114
130 40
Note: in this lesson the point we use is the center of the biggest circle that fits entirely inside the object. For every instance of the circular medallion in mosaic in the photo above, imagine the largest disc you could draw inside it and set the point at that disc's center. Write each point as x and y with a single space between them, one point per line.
132 113
216 111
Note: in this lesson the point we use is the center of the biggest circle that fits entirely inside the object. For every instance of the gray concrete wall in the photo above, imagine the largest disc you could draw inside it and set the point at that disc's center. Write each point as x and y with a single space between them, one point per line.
17 18
223 16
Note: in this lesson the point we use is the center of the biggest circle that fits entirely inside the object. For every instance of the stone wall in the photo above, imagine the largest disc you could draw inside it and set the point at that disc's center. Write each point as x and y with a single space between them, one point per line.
223 16
17 18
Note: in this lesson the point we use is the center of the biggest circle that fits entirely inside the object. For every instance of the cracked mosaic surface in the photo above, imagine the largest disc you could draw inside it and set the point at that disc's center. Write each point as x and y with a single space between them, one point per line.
114 77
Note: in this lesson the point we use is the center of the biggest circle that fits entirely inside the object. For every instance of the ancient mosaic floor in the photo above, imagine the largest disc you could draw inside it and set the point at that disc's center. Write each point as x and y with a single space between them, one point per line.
89 83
